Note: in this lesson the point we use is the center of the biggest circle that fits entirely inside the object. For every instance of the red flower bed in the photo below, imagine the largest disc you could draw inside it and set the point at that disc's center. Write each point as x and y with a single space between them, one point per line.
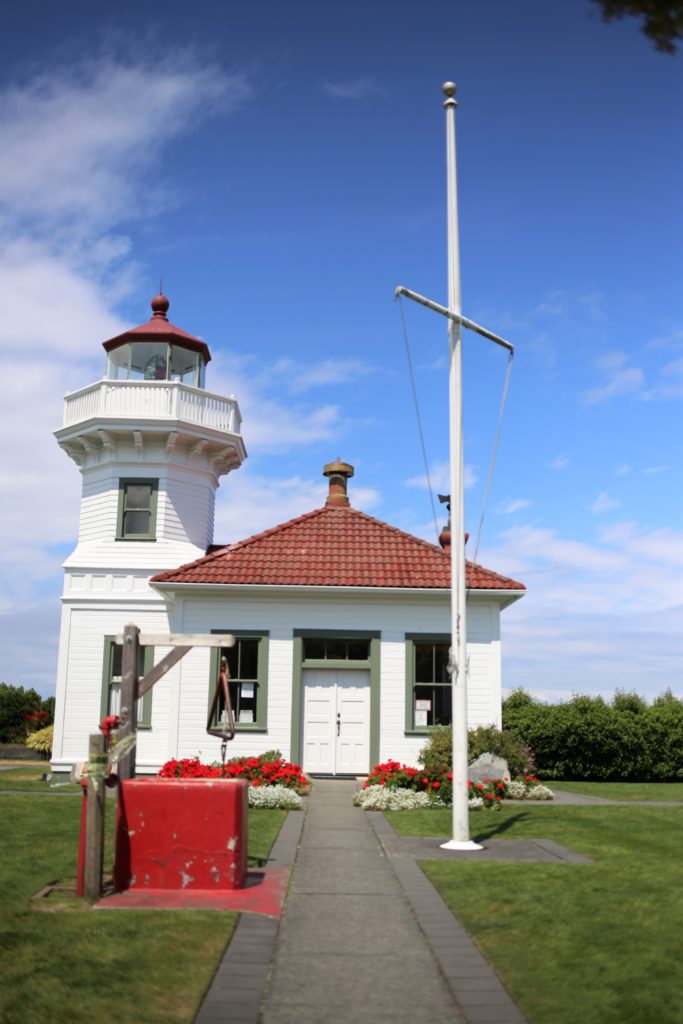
258 771
438 784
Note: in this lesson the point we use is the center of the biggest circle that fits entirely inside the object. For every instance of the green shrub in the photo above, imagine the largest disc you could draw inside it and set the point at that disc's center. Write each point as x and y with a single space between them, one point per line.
489 740
589 738
437 755
42 741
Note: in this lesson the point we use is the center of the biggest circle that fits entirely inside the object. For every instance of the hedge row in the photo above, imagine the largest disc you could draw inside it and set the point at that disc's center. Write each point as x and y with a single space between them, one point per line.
589 738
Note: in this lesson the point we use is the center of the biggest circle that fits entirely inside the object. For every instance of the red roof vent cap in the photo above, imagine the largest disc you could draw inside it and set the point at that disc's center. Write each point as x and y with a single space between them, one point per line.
338 473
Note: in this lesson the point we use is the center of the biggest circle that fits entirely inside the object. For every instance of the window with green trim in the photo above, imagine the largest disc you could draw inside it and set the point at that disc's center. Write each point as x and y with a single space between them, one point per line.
137 517
248 672
428 683
111 682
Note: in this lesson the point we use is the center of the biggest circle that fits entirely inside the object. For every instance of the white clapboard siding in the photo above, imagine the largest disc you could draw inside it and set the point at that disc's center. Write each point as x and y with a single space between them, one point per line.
79 689
185 510
393 618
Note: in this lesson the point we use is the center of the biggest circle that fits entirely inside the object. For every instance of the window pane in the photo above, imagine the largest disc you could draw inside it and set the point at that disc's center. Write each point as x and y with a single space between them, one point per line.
359 650
116 656
442 705
232 654
117 363
248 662
148 360
335 649
184 365
424 663
314 649
423 707
441 663
135 522
138 496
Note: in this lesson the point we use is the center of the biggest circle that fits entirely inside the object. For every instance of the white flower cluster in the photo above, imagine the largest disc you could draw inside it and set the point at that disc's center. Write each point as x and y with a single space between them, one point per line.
476 803
379 798
515 791
274 797
539 793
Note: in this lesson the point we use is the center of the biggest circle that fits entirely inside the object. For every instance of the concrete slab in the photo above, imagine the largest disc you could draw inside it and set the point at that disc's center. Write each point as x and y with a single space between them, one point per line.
340 839
343 988
345 924
264 894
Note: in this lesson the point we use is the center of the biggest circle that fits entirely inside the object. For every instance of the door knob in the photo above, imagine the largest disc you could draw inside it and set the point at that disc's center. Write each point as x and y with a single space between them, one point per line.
338 722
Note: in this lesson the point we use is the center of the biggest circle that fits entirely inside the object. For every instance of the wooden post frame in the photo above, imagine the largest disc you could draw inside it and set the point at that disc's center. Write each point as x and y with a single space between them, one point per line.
132 687
94 822
129 697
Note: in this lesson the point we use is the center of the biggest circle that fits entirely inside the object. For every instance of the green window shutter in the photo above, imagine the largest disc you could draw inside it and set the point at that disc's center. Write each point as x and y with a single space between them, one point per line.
111 675
248 671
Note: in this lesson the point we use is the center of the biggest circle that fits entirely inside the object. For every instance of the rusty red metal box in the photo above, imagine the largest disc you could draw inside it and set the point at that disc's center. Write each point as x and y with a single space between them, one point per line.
181 834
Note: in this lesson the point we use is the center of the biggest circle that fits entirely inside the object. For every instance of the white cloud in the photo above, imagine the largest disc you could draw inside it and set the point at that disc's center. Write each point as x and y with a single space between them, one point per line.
354 89
597 616
623 470
620 381
77 140
79 147
611 360
275 423
559 463
510 505
670 383
249 502
51 310
655 470
299 377
439 474
604 503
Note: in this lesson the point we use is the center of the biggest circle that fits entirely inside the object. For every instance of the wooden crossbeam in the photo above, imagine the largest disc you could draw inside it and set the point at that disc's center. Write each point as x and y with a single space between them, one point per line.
182 639
159 671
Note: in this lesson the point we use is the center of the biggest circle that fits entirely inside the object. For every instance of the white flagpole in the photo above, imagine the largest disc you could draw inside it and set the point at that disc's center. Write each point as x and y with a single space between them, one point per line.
458 660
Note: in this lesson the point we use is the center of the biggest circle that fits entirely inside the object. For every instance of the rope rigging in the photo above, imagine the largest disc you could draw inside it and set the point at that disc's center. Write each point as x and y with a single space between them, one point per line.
496 443
416 403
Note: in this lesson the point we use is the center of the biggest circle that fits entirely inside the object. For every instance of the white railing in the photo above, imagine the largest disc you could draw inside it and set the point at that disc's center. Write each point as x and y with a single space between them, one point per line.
143 400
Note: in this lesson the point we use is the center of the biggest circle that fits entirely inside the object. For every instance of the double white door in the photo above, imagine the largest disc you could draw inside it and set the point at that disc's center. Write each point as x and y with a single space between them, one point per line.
336 735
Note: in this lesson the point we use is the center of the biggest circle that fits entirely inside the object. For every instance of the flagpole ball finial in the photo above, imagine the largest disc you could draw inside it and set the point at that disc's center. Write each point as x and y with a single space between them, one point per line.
449 88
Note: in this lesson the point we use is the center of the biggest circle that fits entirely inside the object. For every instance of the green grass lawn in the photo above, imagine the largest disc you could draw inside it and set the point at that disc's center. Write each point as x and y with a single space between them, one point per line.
28 778
622 790
595 944
79 965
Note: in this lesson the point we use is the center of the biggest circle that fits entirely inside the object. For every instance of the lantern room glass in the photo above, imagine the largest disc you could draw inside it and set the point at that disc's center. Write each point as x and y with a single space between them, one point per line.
156 360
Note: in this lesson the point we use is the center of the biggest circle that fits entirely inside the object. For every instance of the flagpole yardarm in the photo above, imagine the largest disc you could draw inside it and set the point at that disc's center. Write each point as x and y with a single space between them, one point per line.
458 660
456 321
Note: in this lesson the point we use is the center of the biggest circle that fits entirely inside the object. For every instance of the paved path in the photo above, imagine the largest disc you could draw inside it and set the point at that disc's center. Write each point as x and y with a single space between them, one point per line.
364 938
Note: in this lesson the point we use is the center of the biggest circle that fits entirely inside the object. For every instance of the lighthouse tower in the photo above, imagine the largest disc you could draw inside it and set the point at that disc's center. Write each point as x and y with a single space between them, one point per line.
151 444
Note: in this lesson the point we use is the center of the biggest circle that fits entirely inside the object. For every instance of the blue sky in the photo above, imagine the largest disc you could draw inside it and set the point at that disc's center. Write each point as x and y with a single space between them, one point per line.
283 168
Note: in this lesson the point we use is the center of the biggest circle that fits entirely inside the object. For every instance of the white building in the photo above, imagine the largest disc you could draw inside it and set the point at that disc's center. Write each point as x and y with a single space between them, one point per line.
341 621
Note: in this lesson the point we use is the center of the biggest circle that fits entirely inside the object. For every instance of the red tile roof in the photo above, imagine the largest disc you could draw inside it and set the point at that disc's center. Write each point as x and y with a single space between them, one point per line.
333 547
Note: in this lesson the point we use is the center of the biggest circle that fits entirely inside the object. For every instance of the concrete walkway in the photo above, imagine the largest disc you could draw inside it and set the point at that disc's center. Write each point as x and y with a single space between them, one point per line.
364 938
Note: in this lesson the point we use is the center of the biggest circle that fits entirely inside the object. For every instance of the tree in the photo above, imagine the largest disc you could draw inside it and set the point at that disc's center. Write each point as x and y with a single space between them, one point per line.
663 19
19 711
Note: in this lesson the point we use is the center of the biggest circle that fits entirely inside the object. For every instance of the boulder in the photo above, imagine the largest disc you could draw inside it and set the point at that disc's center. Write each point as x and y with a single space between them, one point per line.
488 766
